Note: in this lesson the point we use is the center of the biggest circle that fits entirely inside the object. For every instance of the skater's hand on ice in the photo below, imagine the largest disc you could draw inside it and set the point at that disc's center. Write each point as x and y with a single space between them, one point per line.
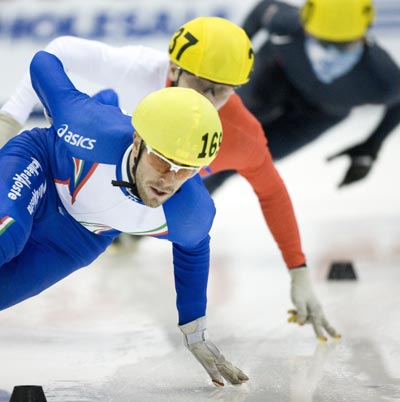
361 162
308 309
208 355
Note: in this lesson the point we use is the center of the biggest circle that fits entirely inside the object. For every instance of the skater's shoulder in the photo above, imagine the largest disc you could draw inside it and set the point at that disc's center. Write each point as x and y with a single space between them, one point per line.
284 19
235 116
190 212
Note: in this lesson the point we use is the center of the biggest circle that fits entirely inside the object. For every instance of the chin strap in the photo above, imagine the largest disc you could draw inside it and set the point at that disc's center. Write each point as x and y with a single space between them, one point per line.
127 184
130 185
175 83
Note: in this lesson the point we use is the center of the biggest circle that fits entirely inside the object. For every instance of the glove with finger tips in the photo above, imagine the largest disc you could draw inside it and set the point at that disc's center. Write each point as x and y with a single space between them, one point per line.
368 148
308 309
208 355
359 168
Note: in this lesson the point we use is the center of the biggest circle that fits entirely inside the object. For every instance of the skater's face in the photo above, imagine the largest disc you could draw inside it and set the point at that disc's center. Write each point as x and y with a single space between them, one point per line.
217 94
156 177
340 46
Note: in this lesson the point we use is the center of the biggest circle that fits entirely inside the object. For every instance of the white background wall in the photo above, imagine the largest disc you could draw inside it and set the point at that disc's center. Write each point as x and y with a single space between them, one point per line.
27 26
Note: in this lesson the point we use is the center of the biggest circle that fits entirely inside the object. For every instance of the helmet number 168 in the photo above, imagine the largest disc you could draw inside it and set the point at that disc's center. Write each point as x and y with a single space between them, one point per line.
210 147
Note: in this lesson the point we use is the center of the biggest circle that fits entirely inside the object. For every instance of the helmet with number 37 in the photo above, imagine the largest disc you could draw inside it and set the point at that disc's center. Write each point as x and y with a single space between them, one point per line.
213 48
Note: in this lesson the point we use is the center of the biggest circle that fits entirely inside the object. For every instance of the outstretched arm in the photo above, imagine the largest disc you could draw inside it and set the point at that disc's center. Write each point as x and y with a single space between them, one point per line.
119 68
51 84
257 167
191 268
91 60
191 277
81 122
363 155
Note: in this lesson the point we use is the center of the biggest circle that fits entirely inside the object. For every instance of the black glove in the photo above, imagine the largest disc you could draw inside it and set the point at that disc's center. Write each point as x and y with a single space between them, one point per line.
362 159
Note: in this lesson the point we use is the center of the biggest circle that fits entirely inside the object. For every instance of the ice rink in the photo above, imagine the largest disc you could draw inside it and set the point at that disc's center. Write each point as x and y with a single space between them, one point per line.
109 331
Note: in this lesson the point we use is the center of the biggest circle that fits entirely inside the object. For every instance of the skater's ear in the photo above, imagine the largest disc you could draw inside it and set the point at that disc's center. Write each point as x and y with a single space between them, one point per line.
136 144
173 71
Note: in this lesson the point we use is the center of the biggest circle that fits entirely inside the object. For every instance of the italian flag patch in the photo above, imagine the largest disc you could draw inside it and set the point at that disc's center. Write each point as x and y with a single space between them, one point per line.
5 223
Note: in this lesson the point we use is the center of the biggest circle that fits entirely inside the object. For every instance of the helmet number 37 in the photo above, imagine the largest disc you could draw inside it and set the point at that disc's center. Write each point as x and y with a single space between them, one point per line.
191 40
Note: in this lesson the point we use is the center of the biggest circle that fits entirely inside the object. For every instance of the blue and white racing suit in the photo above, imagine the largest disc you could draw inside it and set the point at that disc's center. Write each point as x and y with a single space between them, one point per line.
59 209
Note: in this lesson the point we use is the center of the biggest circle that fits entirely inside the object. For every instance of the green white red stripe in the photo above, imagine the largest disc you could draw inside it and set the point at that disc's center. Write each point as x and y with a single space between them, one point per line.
96 228
83 182
5 223
161 230
99 228
78 167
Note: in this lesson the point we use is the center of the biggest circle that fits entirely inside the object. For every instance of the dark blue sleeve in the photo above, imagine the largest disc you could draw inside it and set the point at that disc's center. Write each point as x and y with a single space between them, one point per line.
390 120
274 16
90 129
254 20
385 74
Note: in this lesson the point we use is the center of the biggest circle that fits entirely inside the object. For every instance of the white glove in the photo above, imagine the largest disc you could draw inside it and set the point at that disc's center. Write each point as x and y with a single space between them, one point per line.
217 367
9 127
308 308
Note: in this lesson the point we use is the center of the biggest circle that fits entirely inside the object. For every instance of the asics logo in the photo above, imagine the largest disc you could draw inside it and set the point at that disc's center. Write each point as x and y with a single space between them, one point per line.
75 139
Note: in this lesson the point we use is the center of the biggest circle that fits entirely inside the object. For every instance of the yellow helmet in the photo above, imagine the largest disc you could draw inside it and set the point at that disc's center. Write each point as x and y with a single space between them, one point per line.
180 124
213 48
337 20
